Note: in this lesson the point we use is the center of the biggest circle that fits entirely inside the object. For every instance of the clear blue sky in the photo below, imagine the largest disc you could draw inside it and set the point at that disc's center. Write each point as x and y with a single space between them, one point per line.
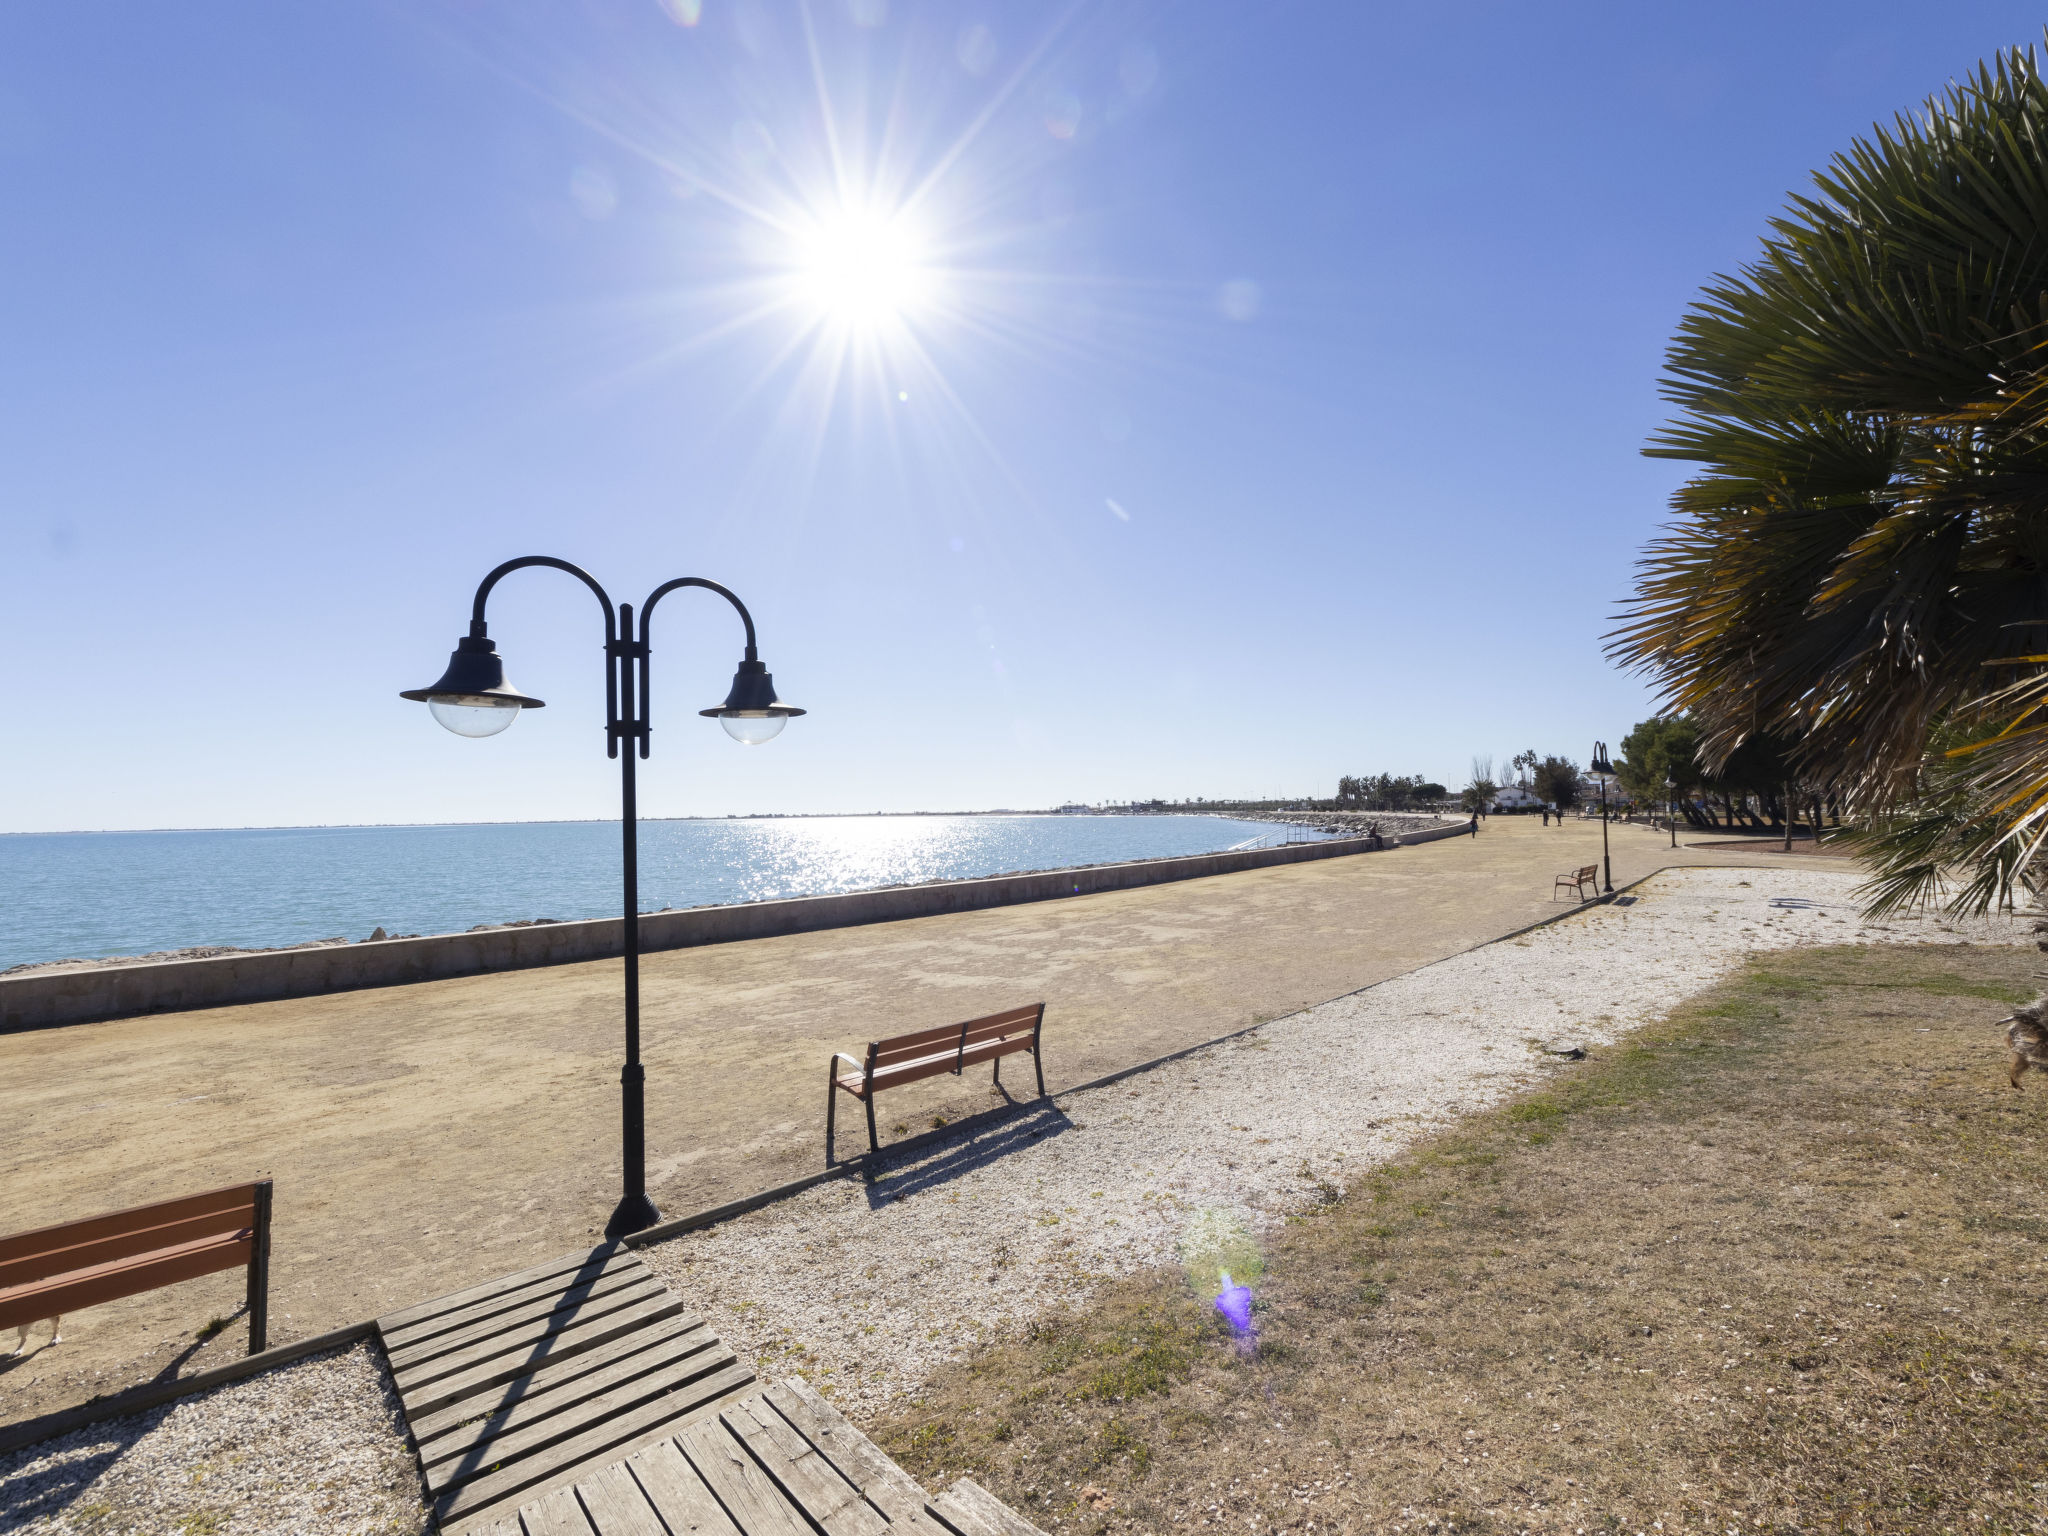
1262 403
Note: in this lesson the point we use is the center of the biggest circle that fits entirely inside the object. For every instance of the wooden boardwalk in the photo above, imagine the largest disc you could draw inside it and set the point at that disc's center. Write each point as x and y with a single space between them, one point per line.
536 1380
777 1463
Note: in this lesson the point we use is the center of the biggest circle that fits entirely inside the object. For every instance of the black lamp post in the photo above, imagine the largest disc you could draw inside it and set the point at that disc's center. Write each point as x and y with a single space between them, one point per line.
1671 805
1603 770
472 698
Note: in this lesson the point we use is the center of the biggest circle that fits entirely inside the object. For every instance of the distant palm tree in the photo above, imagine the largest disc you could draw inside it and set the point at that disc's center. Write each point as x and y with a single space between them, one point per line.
1861 567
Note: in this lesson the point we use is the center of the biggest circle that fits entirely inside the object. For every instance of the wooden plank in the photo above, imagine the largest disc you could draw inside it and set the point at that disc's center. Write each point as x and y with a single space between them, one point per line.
89 1253
135 1219
427 1328
615 1438
525 1358
566 1264
677 1493
915 1071
606 1292
858 1459
1014 1045
559 1382
509 1526
558 1514
125 1277
523 1334
615 1506
916 1041
806 1478
462 1458
972 1510
748 1494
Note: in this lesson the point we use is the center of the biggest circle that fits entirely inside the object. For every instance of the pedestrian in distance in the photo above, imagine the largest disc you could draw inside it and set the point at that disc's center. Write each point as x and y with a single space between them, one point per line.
1475 823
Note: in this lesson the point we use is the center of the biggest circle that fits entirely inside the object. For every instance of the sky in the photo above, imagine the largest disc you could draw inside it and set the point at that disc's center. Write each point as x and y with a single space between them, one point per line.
1090 402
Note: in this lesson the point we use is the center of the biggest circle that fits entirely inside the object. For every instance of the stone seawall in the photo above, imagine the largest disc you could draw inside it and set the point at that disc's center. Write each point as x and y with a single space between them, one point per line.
40 999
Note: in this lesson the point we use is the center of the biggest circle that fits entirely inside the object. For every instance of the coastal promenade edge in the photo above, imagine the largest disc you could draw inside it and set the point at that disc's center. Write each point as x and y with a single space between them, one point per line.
44 999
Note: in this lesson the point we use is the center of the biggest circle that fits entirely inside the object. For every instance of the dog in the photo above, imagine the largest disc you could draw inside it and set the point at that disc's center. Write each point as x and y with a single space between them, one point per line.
56 1334
2026 1034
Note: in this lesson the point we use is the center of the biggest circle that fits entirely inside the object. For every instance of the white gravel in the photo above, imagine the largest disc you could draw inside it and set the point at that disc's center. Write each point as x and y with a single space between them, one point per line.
867 1290
317 1445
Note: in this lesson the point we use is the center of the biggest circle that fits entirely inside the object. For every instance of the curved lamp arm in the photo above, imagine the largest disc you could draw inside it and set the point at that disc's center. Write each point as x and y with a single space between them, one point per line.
478 630
646 617
483 591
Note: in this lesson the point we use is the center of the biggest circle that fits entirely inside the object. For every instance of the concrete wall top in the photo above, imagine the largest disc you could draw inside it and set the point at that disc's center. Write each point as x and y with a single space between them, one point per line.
40 999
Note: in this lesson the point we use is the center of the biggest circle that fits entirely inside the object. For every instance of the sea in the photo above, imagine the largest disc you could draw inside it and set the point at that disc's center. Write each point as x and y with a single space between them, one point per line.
92 895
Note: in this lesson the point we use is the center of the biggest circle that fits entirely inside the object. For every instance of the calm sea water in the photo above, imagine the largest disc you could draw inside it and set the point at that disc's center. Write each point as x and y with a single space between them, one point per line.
89 894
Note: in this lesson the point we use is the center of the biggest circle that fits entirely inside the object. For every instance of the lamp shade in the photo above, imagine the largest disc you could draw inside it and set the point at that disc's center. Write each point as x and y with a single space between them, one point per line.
472 697
751 713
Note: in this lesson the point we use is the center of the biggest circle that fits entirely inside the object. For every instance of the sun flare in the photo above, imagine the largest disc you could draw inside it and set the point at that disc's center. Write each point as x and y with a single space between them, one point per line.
858 267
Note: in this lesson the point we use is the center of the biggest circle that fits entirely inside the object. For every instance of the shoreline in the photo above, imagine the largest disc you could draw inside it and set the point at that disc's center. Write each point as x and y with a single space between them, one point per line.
208 951
56 996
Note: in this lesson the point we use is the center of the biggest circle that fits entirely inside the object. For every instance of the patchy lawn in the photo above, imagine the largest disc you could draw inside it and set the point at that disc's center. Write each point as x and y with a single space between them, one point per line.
1775 1264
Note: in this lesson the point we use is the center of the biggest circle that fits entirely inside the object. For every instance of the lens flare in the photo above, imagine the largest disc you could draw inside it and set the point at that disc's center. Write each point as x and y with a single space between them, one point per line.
1222 1260
1235 1303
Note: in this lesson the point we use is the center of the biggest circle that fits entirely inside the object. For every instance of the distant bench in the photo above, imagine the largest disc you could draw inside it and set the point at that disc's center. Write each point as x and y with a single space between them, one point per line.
1577 881
929 1053
60 1269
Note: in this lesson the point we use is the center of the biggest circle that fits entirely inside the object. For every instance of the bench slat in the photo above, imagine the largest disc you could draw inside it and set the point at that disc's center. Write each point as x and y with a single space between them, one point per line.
126 1277
923 1041
916 1044
69 1234
50 1263
934 1066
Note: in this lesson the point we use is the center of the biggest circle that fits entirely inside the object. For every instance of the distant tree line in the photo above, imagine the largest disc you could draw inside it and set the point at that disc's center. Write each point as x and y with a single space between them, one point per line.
1387 792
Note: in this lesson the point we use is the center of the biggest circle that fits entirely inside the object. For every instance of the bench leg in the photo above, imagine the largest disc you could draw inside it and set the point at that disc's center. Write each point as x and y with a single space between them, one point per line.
831 1105
1038 1067
874 1142
999 1072
259 1272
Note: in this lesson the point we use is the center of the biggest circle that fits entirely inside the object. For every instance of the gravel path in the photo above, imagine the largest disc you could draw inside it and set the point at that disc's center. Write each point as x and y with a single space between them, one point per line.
317 1445
867 1290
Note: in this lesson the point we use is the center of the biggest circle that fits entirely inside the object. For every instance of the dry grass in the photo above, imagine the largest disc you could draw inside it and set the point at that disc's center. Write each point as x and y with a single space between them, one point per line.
1773 1265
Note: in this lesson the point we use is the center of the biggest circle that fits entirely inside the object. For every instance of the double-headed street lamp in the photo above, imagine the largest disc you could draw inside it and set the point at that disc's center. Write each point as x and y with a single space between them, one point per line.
1603 770
472 698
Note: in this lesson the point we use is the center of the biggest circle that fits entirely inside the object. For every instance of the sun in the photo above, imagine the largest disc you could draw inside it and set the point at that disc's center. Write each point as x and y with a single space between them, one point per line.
859 267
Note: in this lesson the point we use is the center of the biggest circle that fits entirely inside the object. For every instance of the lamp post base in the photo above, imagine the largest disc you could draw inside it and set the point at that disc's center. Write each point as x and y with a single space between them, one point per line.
635 1213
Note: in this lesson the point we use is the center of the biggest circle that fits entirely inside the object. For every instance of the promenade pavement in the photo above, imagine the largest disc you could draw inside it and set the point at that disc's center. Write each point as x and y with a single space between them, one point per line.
429 1136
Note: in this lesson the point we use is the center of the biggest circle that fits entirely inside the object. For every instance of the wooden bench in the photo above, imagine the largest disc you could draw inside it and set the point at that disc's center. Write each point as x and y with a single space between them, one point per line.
930 1053
55 1270
1577 881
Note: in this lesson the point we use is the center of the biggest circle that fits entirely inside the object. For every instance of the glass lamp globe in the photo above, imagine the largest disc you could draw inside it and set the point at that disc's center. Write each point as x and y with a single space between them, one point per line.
474 716
750 730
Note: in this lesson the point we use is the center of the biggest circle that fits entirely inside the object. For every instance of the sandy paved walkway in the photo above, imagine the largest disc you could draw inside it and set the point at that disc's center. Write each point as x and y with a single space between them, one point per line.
424 1137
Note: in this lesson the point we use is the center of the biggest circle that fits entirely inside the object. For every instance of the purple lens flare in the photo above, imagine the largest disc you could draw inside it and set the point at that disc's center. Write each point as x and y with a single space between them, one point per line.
1235 1303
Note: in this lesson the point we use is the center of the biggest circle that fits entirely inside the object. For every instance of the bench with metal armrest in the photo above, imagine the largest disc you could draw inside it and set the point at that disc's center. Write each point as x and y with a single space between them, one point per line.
931 1053
1577 881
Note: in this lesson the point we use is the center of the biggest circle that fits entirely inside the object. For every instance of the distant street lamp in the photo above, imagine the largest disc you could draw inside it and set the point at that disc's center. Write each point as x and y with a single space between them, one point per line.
1603 770
1671 805
472 698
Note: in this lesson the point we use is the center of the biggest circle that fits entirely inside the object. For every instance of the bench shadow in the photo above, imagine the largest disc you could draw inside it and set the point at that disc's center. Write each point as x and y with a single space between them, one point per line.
170 1372
927 1162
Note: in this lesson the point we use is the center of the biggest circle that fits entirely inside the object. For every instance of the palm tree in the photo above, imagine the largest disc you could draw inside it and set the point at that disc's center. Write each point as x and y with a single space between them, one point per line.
1861 566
